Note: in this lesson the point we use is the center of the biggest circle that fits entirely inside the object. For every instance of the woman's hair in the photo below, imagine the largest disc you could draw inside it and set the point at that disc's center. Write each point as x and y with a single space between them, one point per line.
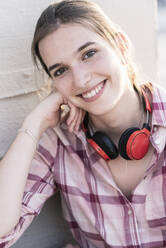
89 14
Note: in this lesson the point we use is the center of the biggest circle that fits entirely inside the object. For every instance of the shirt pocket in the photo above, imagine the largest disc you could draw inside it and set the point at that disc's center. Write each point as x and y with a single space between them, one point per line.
155 206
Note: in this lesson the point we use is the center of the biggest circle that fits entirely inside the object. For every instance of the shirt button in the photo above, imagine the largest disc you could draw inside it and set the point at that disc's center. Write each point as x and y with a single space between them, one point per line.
155 129
129 212
158 140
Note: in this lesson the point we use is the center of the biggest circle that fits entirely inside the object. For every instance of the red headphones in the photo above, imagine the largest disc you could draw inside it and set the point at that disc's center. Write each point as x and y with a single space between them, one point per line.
133 143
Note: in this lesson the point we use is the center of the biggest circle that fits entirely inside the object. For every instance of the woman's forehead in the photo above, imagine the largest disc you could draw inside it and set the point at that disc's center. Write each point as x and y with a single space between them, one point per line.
67 39
71 33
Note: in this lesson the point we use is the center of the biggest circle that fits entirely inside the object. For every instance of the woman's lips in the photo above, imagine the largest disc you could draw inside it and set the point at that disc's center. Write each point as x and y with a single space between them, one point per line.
96 92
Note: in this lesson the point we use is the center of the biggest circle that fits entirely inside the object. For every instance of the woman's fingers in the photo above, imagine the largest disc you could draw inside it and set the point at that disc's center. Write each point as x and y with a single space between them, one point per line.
72 114
65 110
72 123
75 118
79 119
55 108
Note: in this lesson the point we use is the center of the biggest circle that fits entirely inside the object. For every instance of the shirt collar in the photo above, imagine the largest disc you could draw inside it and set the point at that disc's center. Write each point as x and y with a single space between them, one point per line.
158 133
158 106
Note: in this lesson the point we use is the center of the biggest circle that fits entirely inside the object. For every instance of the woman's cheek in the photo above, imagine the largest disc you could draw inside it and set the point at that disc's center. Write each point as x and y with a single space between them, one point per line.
102 64
63 86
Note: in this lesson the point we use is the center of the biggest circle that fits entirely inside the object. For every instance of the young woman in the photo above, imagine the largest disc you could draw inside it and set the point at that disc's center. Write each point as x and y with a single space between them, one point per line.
107 156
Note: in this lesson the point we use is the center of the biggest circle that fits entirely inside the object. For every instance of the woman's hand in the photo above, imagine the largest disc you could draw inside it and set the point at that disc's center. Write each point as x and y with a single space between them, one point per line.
75 117
51 111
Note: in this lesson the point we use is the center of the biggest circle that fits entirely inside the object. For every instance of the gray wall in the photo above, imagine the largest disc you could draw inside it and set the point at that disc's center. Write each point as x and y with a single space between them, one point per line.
48 230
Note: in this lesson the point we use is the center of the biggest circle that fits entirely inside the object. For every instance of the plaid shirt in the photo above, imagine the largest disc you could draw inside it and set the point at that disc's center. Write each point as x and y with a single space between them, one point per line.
98 214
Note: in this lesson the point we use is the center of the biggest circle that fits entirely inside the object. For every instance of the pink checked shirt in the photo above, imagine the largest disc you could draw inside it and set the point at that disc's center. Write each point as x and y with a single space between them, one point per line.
98 214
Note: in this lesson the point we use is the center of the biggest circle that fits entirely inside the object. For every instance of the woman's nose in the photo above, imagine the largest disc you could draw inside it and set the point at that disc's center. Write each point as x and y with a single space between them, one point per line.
81 76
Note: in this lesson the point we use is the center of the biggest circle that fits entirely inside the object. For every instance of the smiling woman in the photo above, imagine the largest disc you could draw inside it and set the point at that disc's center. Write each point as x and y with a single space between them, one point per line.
106 156
88 72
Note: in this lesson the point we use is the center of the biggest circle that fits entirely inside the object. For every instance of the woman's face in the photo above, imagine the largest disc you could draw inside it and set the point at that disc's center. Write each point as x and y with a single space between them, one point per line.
85 69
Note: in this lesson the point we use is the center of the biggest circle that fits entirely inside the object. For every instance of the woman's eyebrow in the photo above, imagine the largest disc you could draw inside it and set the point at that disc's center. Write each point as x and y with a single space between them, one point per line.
85 45
78 50
53 66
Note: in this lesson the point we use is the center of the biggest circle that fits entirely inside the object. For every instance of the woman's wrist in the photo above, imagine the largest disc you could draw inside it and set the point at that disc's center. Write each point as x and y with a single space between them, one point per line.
34 125
30 134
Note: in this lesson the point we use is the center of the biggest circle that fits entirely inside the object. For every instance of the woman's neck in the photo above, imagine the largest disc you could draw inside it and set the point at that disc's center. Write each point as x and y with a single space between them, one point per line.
127 113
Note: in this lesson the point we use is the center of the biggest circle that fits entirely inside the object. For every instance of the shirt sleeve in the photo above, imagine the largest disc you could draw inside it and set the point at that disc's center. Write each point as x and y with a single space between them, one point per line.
39 187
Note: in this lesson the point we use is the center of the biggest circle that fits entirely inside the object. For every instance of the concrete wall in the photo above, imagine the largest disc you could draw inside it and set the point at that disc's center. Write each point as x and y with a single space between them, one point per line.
18 83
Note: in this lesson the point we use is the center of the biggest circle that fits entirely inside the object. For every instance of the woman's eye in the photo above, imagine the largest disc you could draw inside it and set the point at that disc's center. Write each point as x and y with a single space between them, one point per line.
89 54
60 71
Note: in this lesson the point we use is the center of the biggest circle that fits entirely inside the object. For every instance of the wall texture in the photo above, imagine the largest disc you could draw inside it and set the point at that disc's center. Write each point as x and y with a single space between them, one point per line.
19 81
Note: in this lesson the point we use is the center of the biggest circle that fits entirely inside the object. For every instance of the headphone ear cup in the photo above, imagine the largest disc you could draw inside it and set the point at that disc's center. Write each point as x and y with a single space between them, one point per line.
124 140
106 144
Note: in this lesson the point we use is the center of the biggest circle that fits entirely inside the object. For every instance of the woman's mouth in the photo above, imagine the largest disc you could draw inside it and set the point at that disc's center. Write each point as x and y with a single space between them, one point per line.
94 93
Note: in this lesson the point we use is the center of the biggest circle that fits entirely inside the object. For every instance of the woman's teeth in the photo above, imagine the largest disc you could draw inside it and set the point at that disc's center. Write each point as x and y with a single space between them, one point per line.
93 92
